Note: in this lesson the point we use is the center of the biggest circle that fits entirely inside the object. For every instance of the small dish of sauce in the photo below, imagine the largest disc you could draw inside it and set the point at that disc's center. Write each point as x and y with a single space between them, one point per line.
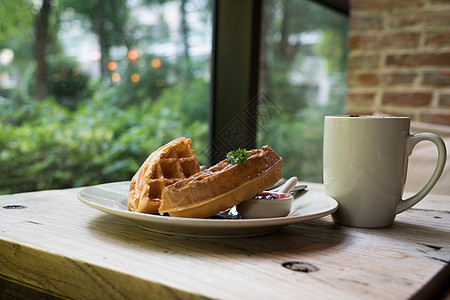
266 205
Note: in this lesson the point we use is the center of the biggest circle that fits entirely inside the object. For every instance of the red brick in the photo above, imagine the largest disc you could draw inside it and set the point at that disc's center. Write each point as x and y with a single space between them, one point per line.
419 60
435 118
401 40
363 23
425 19
363 62
398 79
444 100
363 41
384 41
360 99
402 20
375 79
406 99
365 79
438 39
436 18
437 79
369 79
438 2
384 5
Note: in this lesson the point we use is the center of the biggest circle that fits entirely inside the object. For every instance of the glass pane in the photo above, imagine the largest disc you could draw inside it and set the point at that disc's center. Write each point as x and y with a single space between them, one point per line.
88 89
302 80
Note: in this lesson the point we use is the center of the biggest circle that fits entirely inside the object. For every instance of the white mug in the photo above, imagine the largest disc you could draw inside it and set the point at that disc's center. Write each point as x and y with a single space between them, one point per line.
365 160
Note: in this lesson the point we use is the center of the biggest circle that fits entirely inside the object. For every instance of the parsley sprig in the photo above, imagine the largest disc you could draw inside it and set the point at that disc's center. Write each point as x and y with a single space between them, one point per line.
237 157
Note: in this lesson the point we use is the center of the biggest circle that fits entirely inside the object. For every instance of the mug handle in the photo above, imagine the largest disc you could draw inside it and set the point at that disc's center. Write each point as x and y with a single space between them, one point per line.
442 156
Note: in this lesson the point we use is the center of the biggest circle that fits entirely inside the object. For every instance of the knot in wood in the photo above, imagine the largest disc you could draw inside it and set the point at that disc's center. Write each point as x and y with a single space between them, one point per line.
14 206
300 266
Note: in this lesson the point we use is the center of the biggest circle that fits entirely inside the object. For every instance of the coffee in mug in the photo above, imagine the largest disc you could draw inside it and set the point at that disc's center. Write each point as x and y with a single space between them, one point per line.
365 160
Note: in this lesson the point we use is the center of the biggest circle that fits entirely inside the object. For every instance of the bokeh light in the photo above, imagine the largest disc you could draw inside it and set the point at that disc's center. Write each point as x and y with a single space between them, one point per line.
135 77
156 63
112 65
6 56
133 54
115 77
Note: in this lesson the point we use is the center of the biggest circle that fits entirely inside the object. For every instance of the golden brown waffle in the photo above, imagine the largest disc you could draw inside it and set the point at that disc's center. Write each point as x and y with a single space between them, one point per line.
167 165
222 186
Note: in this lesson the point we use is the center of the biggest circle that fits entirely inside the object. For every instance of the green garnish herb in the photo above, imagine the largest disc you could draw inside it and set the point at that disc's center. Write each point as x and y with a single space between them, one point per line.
237 157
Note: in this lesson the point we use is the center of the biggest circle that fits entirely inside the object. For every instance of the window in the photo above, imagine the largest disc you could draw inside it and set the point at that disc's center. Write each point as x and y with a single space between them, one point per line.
303 78
277 94
119 78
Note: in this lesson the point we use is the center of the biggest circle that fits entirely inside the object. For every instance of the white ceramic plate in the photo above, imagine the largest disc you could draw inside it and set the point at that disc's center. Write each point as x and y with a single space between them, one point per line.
112 198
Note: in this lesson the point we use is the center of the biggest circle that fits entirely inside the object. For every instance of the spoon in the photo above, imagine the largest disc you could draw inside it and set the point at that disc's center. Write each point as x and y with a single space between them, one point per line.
296 188
288 185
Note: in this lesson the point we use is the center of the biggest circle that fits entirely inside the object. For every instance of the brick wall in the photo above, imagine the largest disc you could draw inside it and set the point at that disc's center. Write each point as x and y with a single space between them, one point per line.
399 59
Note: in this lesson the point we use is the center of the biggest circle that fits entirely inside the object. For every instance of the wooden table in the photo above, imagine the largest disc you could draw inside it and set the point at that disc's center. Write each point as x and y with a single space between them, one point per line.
63 248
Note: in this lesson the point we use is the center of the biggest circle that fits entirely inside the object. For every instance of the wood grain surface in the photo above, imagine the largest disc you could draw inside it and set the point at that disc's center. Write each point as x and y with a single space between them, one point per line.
59 245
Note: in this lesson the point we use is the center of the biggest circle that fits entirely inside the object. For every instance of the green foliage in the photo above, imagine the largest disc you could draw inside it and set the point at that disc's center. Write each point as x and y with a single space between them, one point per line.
336 55
107 18
299 141
15 17
152 79
66 81
44 145
295 130
86 134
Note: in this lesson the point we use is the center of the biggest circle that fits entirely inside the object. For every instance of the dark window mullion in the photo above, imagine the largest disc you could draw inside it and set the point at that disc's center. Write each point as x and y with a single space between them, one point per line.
235 74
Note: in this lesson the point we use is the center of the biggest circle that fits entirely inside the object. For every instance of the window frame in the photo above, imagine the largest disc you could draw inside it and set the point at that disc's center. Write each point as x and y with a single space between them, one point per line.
234 76
235 71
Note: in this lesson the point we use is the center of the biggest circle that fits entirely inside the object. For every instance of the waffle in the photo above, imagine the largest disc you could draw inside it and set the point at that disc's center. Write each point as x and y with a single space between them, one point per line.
222 186
167 165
